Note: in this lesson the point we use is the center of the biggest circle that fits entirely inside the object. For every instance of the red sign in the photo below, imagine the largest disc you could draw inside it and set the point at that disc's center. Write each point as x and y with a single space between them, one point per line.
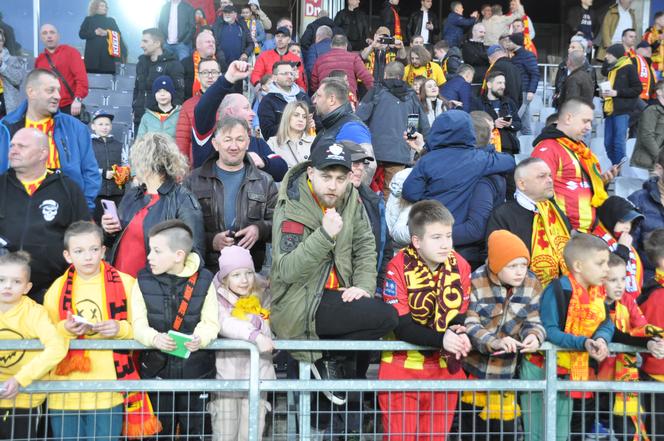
312 8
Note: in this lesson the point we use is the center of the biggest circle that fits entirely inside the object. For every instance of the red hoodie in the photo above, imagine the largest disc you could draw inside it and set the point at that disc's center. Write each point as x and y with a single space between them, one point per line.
69 63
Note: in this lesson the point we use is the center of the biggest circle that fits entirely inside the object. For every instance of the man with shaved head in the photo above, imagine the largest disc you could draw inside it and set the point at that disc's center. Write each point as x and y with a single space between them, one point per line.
220 97
206 48
66 63
68 140
36 206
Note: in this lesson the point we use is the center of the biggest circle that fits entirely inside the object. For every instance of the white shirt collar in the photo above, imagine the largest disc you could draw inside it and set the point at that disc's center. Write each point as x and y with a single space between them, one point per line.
525 201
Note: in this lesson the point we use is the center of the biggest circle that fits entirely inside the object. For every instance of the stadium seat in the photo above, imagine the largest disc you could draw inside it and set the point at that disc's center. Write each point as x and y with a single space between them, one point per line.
545 113
119 99
122 114
100 81
526 143
626 186
128 70
124 84
96 97
629 147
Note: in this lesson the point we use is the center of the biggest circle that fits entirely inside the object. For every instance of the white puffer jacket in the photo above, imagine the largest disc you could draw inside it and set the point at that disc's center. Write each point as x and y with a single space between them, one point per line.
397 210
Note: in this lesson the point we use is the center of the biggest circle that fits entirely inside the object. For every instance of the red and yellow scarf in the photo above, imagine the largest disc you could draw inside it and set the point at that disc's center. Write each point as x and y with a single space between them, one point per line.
486 75
397 23
608 101
412 72
550 235
590 165
113 42
496 141
527 39
196 57
652 37
390 56
139 419
634 265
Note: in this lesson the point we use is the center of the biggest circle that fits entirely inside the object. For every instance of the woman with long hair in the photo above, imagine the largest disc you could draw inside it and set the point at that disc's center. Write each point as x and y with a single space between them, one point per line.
293 142
432 103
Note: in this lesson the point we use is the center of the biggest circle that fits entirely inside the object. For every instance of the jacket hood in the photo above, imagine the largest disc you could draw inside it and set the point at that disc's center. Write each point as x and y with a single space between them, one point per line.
454 52
289 96
616 209
549 132
453 128
398 88
396 185
191 265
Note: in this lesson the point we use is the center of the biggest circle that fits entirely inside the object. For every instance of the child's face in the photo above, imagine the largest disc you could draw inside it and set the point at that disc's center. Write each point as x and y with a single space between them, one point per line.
241 281
14 283
435 245
163 97
162 259
594 269
85 252
246 13
102 126
514 273
615 282
622 227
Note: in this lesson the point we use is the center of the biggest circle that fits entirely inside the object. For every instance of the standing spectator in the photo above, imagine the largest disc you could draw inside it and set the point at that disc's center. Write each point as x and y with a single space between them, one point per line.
311 31
69 145
11 78
205 50
339 58
292 141
473 52
640 55
619 100
455 25
65 62
158 167
208 72
522 25
577 44
526 62
237 198
255 26
154 63
104 45
420 64
283 22
650 135
379 53
619 17
11 43
385 110
501 62
260 14
498 24
424 23
432 103
355 24
207 7
457 88
653 36
176 22
448 57
199 18
578 84
578 181
267 58
282 91
38 205
163 117
583 20
485 12
389 17
322 45
233 37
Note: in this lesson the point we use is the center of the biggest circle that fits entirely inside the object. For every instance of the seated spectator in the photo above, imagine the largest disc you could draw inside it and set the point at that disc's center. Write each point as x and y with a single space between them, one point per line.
457 87
205 50
11 76
338 58
268 58
578 83
386 109
380 51
355 25
70 151
282 91
424 23
321 46
503 317
432 103
533 213
163 117
113 159
455 25
255 26
104 43
178 27
158 166
233 37
420 64
237 199
453 164
473 52
650 134
293 140
427 317
449 58
397 210
519 27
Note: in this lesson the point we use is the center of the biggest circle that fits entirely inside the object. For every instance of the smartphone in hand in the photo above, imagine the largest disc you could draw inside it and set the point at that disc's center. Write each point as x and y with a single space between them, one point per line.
110 209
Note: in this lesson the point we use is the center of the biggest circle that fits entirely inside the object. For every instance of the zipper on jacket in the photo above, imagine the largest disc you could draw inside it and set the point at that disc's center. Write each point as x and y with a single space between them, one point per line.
313 305
63 140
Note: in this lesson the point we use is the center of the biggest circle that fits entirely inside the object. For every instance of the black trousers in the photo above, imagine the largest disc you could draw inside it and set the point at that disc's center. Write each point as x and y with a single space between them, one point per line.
188 410
474 428
19 424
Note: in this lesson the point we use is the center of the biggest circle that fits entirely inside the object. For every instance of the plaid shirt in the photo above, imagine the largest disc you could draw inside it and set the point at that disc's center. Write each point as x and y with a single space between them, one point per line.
494 313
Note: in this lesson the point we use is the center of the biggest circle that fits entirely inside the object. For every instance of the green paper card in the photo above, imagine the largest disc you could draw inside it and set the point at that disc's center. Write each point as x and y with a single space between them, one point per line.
180 339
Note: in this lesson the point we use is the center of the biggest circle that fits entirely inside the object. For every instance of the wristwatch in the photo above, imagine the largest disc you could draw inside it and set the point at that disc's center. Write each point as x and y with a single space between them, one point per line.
77 99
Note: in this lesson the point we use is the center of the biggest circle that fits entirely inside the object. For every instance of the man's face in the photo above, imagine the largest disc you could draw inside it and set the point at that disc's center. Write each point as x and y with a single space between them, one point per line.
394 2
659 22
537 182
417 41
284 77
323 101
517 27
353 3
479 31
232 145
229 17
497 86
242 109
49 36
426 4
282 41
575 46
486 12
149 45
102 126
579 124
616 282
415 59
435 245
357 173
44 95
208 73
205 45
644 52
26 152
507 44
629 39
610 59
586 3
459 9
329 184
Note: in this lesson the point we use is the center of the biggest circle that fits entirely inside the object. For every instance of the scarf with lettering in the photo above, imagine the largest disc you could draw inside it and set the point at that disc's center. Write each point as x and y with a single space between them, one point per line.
590 165
139 419
550 235
608 101
634 265
113 43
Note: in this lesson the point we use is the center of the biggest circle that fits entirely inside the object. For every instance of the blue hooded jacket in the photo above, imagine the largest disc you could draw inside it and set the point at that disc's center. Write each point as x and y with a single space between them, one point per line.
449 171
74 144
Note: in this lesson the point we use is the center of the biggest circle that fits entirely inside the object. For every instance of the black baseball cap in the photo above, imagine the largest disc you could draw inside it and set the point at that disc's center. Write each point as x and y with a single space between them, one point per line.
330 154
283 30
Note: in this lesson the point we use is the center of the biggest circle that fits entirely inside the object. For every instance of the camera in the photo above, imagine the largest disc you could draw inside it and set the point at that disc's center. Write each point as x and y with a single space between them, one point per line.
387 40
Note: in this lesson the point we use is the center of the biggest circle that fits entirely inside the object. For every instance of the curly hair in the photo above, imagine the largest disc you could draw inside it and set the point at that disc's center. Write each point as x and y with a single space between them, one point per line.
157 153
94 5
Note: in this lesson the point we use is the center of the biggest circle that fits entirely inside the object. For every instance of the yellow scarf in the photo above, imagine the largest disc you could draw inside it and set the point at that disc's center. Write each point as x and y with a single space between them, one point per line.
496 141
590 165
608 101
550 235
249 305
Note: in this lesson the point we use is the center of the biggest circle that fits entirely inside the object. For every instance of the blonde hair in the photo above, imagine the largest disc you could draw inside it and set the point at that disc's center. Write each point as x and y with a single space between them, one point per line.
284 131
157 153
94 5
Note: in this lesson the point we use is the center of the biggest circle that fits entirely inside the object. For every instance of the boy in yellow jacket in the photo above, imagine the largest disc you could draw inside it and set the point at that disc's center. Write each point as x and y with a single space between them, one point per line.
92 301
22 318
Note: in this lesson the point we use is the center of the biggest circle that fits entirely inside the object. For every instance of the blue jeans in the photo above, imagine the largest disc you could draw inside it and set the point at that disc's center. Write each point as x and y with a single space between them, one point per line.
75 425
615 136
181 50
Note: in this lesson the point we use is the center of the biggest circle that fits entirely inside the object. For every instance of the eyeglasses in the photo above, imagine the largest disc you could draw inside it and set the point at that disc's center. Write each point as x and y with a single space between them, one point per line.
209 73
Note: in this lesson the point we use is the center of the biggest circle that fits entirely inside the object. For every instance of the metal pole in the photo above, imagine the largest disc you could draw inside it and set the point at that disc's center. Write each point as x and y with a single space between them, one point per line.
550 395
254 394
305 403
35 25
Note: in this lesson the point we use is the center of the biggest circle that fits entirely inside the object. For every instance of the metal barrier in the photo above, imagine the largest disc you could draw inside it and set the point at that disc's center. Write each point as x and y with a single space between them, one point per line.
301 398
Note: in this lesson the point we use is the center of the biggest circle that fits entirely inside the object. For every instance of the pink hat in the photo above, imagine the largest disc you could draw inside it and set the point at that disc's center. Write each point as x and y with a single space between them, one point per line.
232 258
